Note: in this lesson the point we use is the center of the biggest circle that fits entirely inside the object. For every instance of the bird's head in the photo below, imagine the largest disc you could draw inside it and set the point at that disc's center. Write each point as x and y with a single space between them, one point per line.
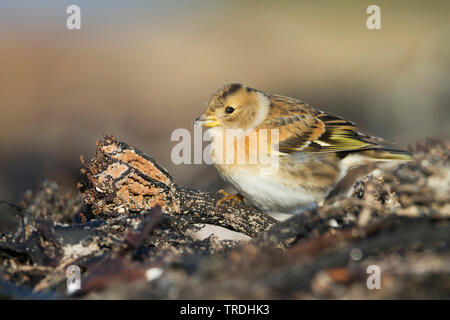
235 106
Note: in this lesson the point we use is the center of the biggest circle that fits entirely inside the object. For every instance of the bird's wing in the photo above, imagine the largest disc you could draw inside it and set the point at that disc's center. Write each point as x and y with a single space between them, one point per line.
303 128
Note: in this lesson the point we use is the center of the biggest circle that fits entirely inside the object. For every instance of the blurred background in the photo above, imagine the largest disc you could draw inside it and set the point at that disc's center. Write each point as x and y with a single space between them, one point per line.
141 69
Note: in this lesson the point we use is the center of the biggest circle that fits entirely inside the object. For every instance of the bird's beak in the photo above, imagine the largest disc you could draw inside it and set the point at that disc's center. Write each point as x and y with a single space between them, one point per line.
207 121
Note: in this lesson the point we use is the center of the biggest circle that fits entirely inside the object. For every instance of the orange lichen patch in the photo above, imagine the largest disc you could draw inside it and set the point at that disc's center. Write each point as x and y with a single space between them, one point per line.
137 193
141 164
115 170
110 148
139 186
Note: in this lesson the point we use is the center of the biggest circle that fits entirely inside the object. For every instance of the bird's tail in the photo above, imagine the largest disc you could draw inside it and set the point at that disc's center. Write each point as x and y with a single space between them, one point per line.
386 154
362 157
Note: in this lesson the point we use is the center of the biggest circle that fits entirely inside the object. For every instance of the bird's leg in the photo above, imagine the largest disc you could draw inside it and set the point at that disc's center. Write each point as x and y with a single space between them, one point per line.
235 198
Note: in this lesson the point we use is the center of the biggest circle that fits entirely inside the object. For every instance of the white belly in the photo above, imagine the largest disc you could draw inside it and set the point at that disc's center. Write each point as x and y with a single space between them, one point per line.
270 194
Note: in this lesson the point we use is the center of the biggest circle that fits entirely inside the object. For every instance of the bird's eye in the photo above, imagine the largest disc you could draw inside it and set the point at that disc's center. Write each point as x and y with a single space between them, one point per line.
229 109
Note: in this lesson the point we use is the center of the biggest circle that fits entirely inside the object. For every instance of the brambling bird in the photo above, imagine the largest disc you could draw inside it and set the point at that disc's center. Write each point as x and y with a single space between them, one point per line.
315 149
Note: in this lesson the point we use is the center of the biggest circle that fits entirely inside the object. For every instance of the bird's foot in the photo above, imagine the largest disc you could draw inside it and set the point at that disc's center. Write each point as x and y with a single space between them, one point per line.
235 198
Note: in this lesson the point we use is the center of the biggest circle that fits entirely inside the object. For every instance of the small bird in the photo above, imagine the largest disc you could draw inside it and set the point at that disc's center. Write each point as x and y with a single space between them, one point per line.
315 149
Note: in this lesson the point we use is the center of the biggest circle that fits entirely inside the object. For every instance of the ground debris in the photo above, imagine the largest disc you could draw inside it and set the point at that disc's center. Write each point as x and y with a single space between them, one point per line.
130 233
